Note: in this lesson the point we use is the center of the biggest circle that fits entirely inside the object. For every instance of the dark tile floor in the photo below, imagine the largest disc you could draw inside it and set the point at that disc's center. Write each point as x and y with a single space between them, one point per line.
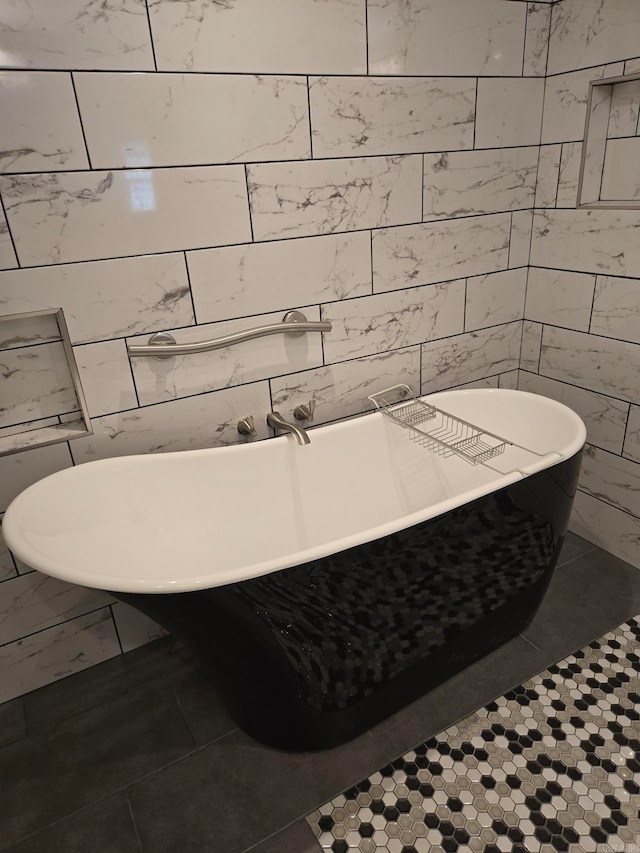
138 756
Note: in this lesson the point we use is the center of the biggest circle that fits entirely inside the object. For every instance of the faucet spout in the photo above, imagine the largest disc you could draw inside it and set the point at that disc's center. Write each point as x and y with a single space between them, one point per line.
276 421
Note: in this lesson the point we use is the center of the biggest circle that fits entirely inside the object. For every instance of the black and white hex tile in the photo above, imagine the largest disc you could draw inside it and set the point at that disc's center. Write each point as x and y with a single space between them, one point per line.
552 765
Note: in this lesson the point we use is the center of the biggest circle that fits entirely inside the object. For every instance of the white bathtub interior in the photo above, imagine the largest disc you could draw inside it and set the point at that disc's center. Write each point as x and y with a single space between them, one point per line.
196 519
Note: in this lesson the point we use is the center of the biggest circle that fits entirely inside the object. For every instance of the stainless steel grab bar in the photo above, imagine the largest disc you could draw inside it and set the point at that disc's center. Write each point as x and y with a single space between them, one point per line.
163 345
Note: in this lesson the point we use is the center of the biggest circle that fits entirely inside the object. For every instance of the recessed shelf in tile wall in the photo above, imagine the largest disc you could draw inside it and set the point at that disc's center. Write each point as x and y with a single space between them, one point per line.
42 401
609 172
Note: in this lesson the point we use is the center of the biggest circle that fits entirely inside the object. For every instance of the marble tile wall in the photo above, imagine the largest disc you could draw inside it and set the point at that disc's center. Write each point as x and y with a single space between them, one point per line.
582 310
204 167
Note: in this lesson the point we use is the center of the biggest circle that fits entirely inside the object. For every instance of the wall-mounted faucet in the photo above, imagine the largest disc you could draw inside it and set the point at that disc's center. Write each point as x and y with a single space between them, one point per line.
276 421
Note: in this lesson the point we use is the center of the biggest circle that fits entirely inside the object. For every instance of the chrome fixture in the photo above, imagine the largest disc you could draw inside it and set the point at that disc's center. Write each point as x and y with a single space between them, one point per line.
276 421
304 412
246 426
163 345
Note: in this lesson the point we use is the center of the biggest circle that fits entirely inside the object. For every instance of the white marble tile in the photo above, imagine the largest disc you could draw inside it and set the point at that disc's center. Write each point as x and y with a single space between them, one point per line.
240 280
106 377
322 197
36 383
8 258
23 469
76 34
206 420
621 173
373 324
470 182
610 478
470 357
7 566
625 109
607 527
560 298
569 173
520 243
632 66
604 417
599 364
342 390
82 216
24 330
548 175
589 32
537 40
367 116
134 629
105 299
142 120
500 119
509 380
440 251
565 103
616 309
34 602
598 241
40 128
184 375
281 37
441 37
531 343
494 299
631 447
57 652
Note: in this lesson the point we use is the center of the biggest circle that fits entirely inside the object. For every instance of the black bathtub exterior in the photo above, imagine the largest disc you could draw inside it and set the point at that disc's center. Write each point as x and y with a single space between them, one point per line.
309 657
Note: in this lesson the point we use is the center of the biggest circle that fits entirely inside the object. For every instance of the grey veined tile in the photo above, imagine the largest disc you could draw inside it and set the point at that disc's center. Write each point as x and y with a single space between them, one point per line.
604 417
438 38
82 216
465 183
560 298
390 115
8 258
246 37
469 357
435 252
33 136
327 196
596 363
76 34
174 119
616 308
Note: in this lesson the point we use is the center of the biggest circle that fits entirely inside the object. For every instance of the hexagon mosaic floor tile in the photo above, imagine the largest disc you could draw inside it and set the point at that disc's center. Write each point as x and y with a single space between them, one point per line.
552 765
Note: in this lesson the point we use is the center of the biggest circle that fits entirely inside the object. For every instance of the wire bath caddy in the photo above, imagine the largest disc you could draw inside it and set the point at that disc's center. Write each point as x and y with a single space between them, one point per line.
436 429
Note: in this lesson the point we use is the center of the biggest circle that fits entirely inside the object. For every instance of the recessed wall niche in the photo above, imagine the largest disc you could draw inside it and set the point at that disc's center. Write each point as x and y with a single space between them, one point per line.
42 401
610 166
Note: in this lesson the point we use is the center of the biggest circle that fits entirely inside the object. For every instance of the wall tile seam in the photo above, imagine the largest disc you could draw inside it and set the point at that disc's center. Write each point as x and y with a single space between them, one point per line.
56 624
590 67
597 273
546 324
444 75
387 155
375 229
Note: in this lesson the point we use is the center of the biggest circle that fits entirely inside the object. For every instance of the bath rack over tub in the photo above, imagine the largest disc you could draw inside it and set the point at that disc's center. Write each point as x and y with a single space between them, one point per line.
439 431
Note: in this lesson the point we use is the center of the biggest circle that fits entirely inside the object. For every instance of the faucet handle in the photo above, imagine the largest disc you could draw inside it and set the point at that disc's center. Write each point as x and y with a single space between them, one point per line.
304 412
246 426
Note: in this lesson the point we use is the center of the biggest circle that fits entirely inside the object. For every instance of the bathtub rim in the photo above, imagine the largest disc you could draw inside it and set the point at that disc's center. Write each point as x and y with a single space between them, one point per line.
36 559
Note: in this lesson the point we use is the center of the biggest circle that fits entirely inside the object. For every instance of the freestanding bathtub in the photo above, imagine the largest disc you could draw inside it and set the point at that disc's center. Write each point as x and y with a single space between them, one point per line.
323 587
